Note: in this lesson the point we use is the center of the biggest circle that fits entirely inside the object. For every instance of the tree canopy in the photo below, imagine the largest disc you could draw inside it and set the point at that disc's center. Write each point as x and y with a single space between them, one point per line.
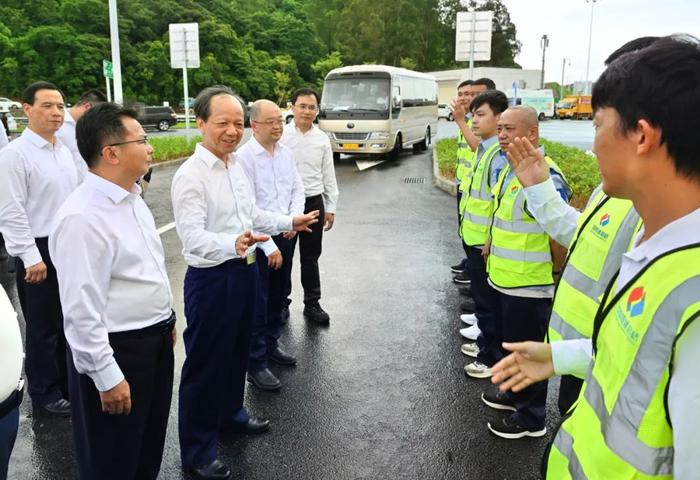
260 48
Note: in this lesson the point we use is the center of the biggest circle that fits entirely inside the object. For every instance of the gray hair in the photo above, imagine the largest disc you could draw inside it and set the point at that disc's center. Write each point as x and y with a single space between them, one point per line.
202 104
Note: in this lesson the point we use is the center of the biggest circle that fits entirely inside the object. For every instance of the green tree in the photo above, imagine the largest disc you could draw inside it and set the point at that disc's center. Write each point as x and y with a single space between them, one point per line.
324 65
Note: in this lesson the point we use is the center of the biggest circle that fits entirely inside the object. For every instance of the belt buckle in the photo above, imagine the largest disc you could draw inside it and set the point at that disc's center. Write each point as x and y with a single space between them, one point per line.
250 259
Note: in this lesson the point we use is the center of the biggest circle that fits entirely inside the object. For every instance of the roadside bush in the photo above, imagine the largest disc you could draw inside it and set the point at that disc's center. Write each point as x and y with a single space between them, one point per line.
580 169
170 148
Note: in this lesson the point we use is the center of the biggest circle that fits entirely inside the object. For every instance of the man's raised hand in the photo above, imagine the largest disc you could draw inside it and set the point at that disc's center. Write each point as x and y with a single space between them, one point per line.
527 162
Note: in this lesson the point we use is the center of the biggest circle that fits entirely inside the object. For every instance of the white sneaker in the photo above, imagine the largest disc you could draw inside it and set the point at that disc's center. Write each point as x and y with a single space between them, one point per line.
477 370
470 333
468 318
470 349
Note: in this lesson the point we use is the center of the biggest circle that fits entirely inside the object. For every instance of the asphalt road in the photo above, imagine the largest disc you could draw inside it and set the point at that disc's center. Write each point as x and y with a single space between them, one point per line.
381 393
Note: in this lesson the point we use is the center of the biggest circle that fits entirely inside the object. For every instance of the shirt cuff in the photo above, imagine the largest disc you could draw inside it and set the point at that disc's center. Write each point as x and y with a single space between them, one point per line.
227 244
31 257
572 357
286 225
268 247
107 378
542 193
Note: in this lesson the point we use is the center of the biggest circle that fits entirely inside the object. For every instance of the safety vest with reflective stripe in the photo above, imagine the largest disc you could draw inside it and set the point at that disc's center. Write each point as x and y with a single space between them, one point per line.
465 157
620 427
605 231
520 255
479 200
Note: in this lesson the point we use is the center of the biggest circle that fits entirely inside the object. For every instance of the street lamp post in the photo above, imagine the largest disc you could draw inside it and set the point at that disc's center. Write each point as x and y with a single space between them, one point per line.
561 87
544 43
116 60
590 38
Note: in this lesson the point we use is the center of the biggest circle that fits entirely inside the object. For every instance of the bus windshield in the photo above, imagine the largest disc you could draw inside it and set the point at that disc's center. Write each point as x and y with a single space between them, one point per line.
356 97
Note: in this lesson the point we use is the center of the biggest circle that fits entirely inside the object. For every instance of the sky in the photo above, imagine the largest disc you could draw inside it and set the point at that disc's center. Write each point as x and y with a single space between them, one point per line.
566 23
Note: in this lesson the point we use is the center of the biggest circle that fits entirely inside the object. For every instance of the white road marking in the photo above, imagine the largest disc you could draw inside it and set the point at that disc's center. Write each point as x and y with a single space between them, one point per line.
166 228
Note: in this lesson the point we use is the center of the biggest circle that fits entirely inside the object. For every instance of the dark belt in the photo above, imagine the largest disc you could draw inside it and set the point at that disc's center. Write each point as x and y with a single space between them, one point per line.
156 329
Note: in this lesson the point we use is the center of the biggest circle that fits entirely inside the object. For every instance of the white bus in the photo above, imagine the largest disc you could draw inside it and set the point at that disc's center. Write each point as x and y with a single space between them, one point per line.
375 109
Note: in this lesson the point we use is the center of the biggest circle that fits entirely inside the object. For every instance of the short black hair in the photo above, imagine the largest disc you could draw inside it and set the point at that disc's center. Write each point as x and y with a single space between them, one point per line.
465 83
202 104
659 84
487 82
303 92
93 97
630 47
495 99
99 126
29 94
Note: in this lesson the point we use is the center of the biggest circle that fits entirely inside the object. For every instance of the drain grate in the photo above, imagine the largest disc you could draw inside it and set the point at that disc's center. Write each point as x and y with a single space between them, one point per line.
414 180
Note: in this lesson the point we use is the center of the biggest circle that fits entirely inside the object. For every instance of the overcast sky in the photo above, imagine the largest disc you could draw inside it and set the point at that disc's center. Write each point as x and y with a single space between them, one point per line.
567 22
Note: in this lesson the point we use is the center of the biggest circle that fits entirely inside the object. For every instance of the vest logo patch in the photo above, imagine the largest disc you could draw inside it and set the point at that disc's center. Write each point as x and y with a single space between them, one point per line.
602 223
635 302
604 220
514 190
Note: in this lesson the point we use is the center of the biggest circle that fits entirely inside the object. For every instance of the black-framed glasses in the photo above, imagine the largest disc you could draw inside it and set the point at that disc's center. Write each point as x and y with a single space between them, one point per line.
142 141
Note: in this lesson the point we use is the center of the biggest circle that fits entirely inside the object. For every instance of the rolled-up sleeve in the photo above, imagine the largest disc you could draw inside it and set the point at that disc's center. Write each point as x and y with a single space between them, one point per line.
83 259
572 357
190 210
14 223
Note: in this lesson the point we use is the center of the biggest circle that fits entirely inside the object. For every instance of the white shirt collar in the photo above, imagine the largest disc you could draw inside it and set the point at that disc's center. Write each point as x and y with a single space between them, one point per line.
298 130
209 158
68 118
39 141
111 190
678 233
258 149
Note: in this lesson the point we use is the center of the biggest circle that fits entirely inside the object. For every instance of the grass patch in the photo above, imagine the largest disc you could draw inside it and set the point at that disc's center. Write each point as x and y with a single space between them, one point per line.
171 148
580 169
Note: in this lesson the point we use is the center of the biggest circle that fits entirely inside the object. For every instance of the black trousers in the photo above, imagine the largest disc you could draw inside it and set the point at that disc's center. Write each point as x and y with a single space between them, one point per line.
45 361
485 305
569 390
272 290
522 319
310 252
220 308
130 446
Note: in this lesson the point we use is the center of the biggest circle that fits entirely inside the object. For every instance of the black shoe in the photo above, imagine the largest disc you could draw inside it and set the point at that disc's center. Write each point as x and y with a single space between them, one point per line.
460 267
509 428
497 399
59 408
265 380
468 306
285 314
281 357
462 279
466 291
316 314
215 470
253 426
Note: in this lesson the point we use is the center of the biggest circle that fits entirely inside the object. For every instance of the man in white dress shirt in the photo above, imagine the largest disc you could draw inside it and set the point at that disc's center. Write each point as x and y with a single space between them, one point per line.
67 132
215 215
117 304
638 412
314 157
278 188
37 173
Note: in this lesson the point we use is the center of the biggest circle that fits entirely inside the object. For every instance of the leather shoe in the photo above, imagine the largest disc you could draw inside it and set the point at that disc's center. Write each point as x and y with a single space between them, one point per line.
281 357
468 306
253 426
466 291
59 408
216 470
316 314
285 314
265 380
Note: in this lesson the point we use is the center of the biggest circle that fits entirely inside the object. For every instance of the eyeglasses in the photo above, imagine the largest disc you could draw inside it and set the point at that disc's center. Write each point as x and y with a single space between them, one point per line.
271 123
309 108
142 141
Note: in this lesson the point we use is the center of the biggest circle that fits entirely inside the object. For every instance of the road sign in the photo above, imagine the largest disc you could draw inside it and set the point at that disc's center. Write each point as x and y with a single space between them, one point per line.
107 69
473 36
184 45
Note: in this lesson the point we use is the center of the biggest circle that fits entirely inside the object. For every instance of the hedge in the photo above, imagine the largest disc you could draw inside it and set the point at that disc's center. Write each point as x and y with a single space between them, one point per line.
170 148
580 168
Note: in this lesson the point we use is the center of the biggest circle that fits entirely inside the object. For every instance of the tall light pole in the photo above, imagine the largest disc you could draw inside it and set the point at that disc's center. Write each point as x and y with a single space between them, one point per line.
590 38
544 43
564 62
116 60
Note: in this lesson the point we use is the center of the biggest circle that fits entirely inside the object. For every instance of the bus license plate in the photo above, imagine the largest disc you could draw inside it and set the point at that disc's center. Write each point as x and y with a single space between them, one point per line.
351 146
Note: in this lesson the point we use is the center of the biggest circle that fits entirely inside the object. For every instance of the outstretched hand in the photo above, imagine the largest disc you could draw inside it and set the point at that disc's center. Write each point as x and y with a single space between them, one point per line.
302 223
530 362
247 240
527 162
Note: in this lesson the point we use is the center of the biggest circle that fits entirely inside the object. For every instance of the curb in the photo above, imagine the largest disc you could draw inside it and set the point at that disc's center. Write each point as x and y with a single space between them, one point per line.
155 166
441 182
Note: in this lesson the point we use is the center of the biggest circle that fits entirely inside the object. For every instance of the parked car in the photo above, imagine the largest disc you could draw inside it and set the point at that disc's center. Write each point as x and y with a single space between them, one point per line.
445 112
11 122
160 117
7 104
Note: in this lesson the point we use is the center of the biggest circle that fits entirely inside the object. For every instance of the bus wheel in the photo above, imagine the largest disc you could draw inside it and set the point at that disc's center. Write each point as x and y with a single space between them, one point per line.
540 117
396 151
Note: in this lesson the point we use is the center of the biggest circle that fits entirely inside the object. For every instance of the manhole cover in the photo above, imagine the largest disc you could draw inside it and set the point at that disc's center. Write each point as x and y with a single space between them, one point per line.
414 180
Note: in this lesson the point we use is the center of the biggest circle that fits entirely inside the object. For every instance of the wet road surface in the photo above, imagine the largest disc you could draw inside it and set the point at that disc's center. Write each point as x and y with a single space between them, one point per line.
380 393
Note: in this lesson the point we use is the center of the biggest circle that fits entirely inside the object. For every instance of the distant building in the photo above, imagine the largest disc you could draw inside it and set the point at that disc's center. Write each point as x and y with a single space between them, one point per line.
503 77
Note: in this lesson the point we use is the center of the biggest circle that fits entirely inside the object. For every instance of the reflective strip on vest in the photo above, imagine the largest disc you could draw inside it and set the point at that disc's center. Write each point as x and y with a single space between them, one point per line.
481 195
517 226
564 329
520 256
479 220
565 444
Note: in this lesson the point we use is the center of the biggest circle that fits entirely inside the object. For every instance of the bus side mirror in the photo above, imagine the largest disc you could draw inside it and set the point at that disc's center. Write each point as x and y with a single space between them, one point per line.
396 102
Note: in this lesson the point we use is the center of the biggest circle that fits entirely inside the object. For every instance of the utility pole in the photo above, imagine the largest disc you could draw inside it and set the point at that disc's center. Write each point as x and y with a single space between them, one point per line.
544 43
561 87
590 38
116 60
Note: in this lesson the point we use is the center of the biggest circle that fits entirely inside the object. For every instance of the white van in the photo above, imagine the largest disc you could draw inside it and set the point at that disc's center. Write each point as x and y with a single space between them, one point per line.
540 100
376 109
